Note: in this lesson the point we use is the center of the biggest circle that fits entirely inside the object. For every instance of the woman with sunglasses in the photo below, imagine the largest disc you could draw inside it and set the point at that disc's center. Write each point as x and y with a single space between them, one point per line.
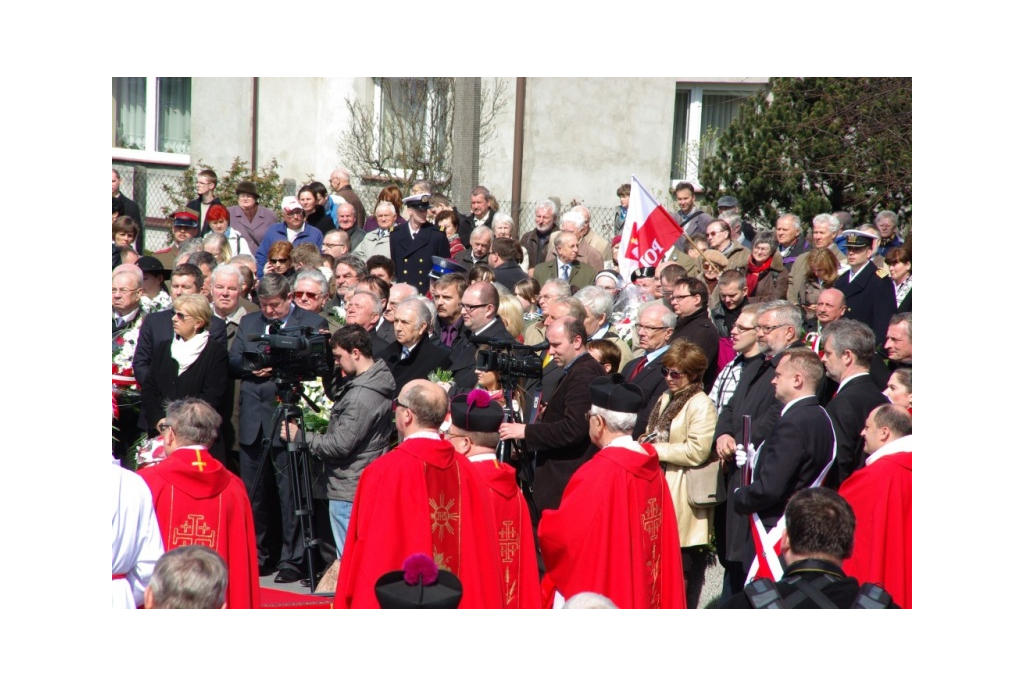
188 365
279 260
681 428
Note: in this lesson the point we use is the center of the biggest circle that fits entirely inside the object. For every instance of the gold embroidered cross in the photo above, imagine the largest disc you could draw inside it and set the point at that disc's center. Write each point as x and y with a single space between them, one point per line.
651 519
199 463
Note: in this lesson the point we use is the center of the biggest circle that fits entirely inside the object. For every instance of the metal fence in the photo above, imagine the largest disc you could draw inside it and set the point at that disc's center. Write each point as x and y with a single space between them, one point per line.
148 188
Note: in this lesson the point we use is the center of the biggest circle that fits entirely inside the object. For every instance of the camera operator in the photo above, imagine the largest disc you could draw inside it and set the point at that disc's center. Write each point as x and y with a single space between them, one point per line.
257 405
359 427
480 319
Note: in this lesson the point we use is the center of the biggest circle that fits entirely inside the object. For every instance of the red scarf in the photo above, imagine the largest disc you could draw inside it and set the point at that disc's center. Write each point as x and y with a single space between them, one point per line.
753 272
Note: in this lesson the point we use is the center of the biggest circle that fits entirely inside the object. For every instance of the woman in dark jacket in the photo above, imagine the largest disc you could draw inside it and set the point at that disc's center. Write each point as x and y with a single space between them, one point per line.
188 365
316 215
767 278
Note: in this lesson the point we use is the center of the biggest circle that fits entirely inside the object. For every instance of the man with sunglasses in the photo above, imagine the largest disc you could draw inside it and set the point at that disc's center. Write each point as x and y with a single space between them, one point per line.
258 402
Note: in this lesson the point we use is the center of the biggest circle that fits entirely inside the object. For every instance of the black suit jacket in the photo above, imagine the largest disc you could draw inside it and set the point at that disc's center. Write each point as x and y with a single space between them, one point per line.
699 329
257 397
562 437
414 257
423 359
653 385
157 328
869 298
794 455
386 332
508 274
849 410
197 205
206 378
463 355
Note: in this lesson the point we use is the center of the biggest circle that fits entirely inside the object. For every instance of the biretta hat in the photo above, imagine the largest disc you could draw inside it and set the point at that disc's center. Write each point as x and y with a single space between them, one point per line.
615 394
476 412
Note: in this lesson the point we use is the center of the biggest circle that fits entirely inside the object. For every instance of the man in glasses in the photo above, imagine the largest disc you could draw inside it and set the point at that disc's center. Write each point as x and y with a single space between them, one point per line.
479 307
294 229
654 330
206 190
690 302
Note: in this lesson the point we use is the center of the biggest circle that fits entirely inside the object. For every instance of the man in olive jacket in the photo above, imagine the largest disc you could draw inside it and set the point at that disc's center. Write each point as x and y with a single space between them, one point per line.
359 428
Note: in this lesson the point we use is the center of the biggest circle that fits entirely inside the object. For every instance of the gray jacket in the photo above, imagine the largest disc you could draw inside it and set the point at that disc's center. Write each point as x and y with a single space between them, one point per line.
358 432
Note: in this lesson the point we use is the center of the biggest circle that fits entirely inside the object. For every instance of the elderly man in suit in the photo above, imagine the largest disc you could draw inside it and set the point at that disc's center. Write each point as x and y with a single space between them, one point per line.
654 331
565 265
575 222
561 437
414 245
413 355
258 402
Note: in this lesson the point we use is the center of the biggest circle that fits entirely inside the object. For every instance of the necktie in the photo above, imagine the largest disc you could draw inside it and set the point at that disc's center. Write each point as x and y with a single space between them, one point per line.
381 233
639 367
405 353
448 335
565 272
118 322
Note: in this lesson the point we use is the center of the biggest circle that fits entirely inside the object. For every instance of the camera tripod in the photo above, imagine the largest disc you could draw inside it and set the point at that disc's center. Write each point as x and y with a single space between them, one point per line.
299 459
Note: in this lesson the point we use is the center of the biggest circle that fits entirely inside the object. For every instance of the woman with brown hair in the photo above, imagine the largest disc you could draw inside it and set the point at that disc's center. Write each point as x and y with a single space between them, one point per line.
124 231
681 428
279 259
822 273
898 259
389 194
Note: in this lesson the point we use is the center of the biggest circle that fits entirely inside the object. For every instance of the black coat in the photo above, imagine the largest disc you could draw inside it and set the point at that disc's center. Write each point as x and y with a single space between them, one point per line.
869 298
653 385
849 410
562 437
463 355
413 257
508 274
197 206
796 452
701 331
206 378
423 359
158 328
258 395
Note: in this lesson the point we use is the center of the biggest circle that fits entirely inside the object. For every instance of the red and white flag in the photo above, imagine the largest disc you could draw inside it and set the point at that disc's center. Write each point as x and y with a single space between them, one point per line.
648 232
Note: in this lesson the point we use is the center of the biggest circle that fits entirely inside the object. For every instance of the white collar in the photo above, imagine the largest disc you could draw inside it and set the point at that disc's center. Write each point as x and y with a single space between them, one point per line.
903 444
429 435
488 456
792 402
848 379
627 442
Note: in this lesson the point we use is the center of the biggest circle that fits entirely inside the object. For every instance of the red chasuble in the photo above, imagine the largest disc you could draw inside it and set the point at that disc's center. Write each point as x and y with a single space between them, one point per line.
615 534
199 502
880 495
520 577
420 497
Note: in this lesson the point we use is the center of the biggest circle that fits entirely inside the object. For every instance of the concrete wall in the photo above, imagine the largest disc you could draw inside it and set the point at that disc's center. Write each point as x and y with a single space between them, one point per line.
221 120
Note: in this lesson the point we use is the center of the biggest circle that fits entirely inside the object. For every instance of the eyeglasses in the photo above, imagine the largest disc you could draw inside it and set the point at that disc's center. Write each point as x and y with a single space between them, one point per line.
471 307
333 245
668 373
181 316
744 329
123 291
640 326
303 294
673 298
163 426
769 329
280 261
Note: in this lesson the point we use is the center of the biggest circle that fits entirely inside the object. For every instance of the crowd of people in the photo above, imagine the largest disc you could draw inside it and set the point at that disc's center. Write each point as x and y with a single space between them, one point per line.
508 403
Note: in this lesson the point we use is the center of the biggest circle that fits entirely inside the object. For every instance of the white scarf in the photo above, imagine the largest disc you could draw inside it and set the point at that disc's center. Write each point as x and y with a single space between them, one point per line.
185 352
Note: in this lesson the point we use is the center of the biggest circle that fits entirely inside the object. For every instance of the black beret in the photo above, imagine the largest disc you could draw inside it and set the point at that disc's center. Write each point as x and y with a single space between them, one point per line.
476 412
642 272
615 394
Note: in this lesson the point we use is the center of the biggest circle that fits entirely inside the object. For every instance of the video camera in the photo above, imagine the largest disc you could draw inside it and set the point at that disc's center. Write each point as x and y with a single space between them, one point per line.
295 354
503 362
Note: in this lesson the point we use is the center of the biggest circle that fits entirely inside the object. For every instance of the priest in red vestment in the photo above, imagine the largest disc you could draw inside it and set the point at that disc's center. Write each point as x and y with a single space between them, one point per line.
199 502
474 432
615 531
880 495
421 497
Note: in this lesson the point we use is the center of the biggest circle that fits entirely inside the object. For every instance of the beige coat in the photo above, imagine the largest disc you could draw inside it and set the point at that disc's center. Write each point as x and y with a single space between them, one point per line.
690 438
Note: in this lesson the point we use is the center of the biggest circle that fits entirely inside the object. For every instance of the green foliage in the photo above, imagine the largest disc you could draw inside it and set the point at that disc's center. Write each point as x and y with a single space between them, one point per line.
266 178
817 145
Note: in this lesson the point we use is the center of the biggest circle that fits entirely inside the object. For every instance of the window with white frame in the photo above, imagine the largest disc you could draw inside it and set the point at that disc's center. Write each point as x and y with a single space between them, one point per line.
414 121
152 118
702 112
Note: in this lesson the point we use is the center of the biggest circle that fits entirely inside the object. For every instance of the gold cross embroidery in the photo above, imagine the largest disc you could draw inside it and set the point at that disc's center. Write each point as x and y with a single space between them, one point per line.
651 519
199 463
